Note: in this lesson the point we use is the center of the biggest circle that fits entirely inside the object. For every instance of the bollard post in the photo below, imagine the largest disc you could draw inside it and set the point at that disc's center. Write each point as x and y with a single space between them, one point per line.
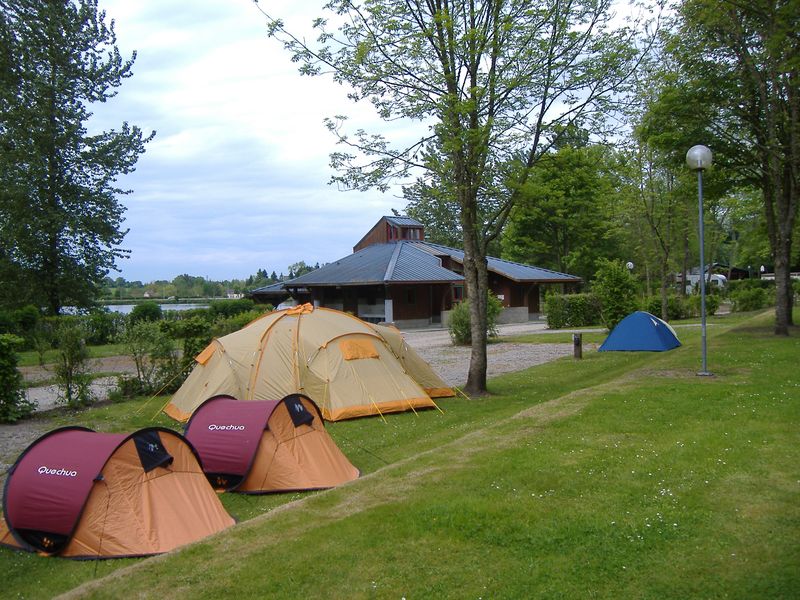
577 345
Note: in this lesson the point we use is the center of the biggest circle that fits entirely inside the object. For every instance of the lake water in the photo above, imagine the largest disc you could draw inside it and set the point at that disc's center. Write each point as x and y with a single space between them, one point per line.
125 309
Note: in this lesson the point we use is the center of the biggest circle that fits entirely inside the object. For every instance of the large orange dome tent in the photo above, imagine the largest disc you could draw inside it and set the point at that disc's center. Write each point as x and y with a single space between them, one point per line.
339 361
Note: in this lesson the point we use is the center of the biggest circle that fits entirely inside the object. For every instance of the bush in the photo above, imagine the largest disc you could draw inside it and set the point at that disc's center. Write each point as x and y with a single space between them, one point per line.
21 322
230 308
459 325
71 371
712 304
572 310
155 357
749 284
196 335
677 306
229 325
749 299
26 318
14 405
146 311
7 325
103 327
616 289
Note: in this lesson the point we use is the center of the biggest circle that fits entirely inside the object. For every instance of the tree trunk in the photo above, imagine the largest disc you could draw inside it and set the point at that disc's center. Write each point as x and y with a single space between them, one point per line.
685 264
783 286
664 290
477 282
781 210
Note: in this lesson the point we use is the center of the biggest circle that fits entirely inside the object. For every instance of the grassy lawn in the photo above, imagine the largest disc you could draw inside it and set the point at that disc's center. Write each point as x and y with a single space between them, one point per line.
617 476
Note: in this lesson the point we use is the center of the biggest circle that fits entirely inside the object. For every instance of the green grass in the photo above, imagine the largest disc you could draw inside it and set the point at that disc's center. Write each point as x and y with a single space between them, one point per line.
30 358
557 337
617 476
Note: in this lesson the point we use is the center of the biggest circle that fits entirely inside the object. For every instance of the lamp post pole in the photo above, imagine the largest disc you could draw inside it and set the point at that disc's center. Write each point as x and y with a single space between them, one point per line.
699 158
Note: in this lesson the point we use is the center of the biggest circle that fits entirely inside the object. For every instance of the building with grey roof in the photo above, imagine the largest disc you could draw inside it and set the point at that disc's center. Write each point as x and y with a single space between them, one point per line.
395 276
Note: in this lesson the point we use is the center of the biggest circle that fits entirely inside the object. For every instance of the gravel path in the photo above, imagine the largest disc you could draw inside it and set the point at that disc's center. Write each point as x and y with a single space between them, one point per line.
452 362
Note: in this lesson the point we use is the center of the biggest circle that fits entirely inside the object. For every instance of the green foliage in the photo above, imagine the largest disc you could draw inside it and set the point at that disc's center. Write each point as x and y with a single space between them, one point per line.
146 311
678 307
572 310
196 333
749 284
71 370
739 60
753 298
229 308
21 322
712 304
103 327
60 213
235 323
155 357
459 323
435 207
616 289
563 218
26 318
13 403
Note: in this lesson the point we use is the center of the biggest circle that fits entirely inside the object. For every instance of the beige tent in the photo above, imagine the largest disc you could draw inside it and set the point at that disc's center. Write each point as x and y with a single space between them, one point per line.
413 363
336 359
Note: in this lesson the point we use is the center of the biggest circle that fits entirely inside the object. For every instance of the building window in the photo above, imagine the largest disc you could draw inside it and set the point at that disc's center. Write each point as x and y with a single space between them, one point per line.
458 293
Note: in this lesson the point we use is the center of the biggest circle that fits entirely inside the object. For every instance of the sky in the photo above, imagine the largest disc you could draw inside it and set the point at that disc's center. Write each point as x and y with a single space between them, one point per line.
236 178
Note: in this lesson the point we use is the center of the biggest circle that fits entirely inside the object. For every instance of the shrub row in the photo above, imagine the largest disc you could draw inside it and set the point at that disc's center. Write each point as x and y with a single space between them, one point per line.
583 310
162 344
572 310
753 298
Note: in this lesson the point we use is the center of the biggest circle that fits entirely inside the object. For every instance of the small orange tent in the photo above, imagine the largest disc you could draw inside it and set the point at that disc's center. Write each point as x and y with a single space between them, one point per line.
267 445
82 494
336 359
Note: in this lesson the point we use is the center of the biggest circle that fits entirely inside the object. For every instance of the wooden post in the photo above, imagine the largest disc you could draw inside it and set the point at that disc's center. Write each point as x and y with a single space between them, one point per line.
577 345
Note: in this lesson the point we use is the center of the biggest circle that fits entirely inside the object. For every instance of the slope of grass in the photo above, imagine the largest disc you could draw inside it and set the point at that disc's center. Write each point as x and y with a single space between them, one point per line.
622 475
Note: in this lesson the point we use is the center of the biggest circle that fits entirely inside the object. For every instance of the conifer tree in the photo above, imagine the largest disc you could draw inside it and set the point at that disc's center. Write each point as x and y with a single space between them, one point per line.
60 215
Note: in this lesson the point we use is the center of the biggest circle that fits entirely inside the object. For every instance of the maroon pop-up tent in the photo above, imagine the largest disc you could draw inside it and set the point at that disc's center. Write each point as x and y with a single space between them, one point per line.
267 445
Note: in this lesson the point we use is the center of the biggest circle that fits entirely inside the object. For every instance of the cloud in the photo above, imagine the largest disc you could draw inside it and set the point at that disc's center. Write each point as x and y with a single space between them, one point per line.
236 178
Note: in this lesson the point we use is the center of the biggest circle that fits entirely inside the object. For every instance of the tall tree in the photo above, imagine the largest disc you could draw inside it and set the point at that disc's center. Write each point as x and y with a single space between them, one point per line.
744 58
491 78
660 206
563 219
431 205
60 218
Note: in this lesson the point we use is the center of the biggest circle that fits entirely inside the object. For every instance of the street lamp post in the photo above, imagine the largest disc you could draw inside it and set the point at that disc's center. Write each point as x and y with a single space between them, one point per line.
699 158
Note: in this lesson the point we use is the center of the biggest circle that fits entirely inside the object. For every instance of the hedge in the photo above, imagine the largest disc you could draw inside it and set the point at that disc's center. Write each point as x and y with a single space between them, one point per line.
572 310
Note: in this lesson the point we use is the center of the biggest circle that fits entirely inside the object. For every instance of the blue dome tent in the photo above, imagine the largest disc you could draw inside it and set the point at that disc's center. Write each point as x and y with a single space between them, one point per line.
640 332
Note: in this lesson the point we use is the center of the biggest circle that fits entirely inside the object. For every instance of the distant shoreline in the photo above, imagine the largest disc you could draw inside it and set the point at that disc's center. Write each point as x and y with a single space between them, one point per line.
117 302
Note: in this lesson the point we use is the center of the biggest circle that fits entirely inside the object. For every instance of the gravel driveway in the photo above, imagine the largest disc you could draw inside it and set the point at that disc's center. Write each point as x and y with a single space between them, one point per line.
452 362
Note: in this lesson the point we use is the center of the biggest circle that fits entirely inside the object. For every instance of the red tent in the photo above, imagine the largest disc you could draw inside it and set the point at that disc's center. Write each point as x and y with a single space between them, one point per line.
267 445
78 493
